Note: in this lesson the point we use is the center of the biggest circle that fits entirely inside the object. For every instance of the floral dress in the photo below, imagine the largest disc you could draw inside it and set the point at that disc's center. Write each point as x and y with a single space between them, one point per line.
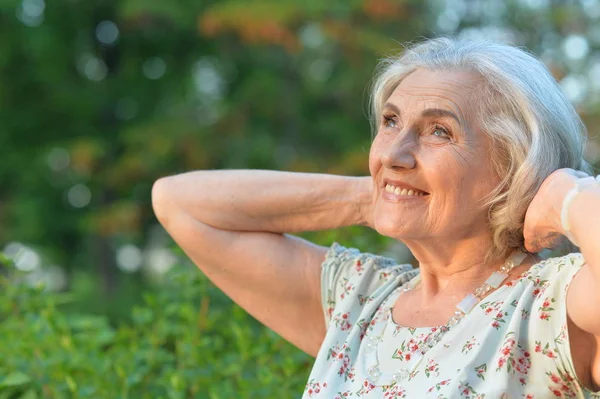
514 344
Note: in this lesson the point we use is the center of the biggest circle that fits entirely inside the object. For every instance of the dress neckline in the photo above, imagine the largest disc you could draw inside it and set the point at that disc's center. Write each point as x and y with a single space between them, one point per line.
397 291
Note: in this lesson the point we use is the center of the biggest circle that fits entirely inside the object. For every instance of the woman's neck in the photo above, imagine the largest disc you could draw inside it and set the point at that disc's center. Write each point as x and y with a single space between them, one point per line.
455 268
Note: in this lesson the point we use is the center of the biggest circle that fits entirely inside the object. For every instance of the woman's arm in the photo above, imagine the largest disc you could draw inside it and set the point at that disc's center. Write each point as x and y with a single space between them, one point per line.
583 301
543 224
581 215
230 223
262 200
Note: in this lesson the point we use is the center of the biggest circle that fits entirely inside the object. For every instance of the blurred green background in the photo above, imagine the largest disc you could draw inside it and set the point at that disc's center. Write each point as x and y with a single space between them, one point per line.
99 98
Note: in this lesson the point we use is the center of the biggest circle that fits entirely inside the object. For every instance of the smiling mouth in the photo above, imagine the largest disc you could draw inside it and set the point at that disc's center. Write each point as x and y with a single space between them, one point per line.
390 188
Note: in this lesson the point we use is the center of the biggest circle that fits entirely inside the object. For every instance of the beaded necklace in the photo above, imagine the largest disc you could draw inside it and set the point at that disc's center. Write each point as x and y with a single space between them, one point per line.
462 309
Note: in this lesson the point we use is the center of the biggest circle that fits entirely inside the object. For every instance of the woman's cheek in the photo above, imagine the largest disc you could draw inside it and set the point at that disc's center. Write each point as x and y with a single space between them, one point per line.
374 160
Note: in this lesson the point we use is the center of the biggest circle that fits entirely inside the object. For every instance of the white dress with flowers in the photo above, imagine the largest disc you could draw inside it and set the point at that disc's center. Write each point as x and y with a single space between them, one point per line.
514 344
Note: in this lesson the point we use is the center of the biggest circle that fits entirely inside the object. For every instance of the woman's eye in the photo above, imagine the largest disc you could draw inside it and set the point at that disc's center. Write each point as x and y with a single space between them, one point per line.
389 121
440 131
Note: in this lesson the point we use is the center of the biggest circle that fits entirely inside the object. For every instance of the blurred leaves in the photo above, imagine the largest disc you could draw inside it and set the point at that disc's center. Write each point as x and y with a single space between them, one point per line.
170 349
98 99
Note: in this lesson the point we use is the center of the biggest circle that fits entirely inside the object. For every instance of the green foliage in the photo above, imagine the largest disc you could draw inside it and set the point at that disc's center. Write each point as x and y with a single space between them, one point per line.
275 84
187 340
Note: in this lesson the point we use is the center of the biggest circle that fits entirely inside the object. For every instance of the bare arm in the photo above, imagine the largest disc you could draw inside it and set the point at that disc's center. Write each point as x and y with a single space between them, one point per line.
583 296
583 300
231 224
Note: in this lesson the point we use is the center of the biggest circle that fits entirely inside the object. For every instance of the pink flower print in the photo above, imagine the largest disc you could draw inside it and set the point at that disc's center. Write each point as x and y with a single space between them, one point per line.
494 308
342 321
501 362
470 344
545 350
513 356
394 392
341 356
329 311
546 303
562 335
438 385
362 324
342 395
432 368
359 267
383 276
347 287
480 370
366 388
363 299
522 381
466 391
546 308
313 388
536 292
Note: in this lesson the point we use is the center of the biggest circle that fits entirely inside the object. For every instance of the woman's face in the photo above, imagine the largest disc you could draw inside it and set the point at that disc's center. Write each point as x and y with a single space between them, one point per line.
429 141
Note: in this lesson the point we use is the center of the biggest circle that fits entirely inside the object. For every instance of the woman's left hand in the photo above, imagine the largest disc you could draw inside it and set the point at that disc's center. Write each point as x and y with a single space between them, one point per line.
543 227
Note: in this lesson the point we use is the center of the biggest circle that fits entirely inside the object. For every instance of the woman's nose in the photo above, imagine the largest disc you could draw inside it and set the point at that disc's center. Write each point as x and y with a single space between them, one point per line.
399 153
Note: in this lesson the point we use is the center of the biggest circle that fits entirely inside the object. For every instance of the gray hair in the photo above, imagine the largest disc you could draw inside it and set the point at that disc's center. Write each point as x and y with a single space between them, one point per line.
533 128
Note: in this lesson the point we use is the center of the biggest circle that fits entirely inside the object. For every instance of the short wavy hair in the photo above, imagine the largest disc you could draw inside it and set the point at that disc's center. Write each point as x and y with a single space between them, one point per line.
533 128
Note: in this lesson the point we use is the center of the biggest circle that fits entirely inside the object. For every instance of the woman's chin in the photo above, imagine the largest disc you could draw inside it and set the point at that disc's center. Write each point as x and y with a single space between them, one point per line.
391 228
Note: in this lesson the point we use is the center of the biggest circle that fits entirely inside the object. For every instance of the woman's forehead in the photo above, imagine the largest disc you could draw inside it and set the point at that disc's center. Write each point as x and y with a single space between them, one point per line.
454 91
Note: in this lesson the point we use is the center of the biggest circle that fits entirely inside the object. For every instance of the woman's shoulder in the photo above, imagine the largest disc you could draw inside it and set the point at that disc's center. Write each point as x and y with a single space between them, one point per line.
351 278
344 264
340 255
549 279
553 266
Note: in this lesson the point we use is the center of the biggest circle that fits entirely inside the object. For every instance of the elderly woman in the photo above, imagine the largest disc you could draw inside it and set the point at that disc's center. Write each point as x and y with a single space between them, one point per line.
476 166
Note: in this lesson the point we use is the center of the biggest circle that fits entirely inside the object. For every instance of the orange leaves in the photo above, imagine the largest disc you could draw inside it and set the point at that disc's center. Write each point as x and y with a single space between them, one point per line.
359 38
384 9
275 21
263 22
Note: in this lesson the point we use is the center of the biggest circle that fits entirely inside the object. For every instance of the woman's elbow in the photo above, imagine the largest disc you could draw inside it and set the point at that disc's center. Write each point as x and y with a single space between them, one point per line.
163 199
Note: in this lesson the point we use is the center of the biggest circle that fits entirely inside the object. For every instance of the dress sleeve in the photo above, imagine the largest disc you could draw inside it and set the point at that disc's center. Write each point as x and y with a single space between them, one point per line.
550 328
350 275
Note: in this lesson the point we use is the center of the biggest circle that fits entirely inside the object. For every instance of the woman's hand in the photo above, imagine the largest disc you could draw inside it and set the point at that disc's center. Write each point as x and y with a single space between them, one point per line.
543 227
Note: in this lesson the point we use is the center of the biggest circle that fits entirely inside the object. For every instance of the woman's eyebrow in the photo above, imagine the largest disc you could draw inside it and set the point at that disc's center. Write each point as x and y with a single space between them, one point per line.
430 112
437 112
392 107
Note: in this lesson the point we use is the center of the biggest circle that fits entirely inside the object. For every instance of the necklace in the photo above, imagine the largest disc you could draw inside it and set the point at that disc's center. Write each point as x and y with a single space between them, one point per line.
462 309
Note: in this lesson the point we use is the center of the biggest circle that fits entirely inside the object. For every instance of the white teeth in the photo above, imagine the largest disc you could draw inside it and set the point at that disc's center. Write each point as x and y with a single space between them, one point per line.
398 191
